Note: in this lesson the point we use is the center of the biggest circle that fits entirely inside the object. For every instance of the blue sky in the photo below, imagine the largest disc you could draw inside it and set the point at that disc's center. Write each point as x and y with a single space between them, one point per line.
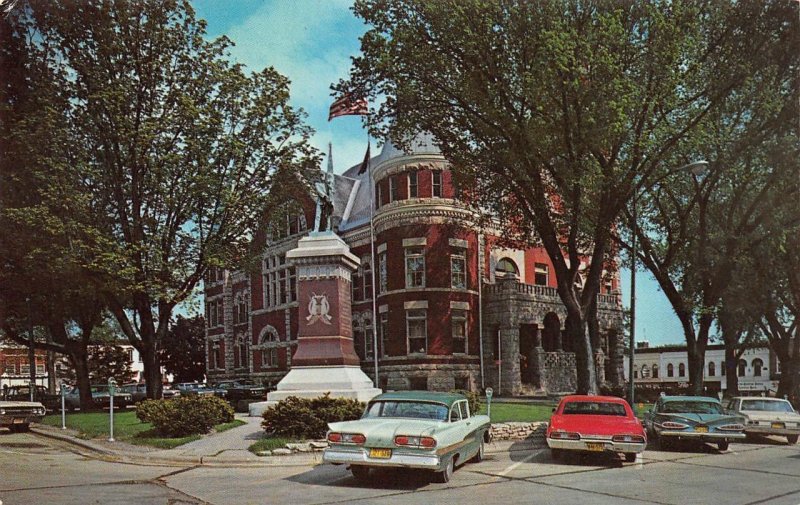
311 42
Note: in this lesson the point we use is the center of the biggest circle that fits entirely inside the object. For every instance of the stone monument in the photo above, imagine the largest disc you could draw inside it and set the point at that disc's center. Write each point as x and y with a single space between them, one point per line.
325 360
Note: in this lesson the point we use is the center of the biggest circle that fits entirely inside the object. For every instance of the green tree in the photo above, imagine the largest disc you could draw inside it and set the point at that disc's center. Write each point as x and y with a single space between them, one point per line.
554 113
174 155
183 350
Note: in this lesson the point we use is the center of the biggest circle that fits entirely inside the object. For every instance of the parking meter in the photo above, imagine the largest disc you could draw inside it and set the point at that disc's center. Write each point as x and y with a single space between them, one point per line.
112 390
63 407
489 393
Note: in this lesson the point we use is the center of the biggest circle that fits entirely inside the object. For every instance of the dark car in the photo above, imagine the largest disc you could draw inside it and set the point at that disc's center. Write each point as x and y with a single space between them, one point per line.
195 388
101 397
240 392
138 392
51 401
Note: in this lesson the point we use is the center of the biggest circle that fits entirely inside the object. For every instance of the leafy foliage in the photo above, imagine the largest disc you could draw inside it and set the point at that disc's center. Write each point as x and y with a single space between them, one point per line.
309 418
473 397
183 349
186 415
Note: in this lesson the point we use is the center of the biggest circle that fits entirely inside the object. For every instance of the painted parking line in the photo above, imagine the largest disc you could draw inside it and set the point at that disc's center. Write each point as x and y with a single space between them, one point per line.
514 466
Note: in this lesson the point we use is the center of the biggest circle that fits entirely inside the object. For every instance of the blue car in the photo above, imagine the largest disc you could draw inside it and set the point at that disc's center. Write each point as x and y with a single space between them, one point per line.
694 418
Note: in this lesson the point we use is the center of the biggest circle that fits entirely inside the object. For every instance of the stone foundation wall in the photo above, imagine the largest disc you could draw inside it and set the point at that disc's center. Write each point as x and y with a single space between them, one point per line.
430 377
559 374
519 431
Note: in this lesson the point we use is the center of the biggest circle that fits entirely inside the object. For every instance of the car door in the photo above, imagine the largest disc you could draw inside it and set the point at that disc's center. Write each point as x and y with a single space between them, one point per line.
474 434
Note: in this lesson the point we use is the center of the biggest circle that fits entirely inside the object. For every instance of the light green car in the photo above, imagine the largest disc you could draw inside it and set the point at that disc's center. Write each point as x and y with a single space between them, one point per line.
410 429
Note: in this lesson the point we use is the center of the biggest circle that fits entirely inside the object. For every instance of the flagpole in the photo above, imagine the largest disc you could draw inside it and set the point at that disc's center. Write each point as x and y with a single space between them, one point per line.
374 263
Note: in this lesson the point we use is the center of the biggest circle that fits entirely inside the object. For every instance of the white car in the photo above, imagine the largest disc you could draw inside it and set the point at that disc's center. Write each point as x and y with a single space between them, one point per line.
17 416
766 416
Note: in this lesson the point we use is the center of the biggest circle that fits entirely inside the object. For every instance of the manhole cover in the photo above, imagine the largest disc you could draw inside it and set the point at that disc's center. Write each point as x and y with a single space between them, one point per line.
22 445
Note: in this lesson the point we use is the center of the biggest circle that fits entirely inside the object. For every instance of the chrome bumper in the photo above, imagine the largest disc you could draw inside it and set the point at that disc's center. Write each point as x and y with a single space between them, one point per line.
767 430
361 457
581 445
704 437
19 418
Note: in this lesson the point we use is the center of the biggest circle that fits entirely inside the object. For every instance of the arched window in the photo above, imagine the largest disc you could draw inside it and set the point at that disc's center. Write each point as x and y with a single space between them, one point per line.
742 367
268 343
712 369
645 372
506 267
670 370
681 370
757 366
244 357
286 220
722 368
655 371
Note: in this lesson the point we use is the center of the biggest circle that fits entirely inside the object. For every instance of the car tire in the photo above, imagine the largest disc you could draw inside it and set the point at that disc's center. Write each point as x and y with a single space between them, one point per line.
630 457
360 472
445 475
557 454
664 443
792 439
723 446
479 455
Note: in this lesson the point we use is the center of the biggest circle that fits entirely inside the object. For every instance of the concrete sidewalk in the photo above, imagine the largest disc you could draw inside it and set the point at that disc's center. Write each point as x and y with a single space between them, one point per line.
228 448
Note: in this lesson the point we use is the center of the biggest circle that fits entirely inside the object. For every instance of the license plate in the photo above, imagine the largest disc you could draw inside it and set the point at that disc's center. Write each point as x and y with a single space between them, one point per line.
701 429
595 446
18 421
779 426
380 453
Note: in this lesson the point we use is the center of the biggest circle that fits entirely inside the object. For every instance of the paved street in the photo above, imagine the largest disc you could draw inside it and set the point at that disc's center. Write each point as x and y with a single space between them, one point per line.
39 470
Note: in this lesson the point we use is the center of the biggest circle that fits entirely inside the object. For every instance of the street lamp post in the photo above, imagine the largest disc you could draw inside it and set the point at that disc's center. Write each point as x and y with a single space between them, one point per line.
697 168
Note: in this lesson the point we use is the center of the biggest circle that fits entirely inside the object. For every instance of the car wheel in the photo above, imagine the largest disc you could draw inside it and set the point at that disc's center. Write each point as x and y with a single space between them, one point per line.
360 472
723 446
664 443
792 439
557 453
444 475
630 457
479 456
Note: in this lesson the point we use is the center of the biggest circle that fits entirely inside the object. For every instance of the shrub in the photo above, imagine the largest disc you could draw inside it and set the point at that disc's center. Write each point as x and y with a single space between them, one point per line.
308 418
186 415
473 397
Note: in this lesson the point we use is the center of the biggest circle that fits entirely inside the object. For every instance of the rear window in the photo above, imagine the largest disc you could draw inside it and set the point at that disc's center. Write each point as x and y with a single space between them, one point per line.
689 407
595 408
767 405
407 409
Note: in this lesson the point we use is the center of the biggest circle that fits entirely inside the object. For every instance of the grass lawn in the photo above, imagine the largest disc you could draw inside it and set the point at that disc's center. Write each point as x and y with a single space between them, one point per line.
518 412
270 443
127 428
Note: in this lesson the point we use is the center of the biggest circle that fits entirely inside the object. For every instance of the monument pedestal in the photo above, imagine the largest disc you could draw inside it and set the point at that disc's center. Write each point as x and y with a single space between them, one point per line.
325 360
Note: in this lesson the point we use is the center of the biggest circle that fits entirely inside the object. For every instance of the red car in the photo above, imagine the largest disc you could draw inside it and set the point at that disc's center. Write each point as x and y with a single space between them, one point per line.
595 424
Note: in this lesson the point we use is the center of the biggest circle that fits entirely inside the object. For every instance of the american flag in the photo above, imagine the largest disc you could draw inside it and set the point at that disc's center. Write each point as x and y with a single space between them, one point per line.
348 105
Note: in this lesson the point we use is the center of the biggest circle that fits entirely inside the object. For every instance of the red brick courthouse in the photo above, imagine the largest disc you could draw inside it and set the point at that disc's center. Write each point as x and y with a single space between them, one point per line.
454 310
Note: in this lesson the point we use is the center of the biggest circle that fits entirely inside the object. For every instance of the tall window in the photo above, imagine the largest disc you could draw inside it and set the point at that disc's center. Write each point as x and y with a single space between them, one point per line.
215 313
458 269
670 370
413 185
241 308
645 372
415 267
458 325
722 368
383 274
655 371
280 281
356 284
367 279
742 367
394 193
417 331
712 369
383 334
757 366
358 338
541 274
437 183
681 370
378 195
269 349
287 220
240 357
368 341
215 356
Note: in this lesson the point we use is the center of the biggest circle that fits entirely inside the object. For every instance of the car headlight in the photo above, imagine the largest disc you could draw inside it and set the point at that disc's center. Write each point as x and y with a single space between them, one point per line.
671 425
2 412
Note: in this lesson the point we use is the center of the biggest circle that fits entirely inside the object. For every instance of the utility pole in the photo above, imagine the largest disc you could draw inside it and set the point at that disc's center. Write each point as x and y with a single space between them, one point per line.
31 353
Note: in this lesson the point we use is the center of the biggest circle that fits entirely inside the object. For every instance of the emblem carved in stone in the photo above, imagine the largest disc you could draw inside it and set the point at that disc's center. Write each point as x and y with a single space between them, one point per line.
318 308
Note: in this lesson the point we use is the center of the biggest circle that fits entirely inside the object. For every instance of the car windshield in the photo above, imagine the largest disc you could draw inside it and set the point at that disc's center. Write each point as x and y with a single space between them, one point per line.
767 405
595 408
408 409
690 407
99 389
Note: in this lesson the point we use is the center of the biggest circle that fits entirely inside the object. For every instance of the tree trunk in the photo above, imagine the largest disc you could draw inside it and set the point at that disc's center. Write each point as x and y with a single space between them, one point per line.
80 362
152 370
579 336
731 372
